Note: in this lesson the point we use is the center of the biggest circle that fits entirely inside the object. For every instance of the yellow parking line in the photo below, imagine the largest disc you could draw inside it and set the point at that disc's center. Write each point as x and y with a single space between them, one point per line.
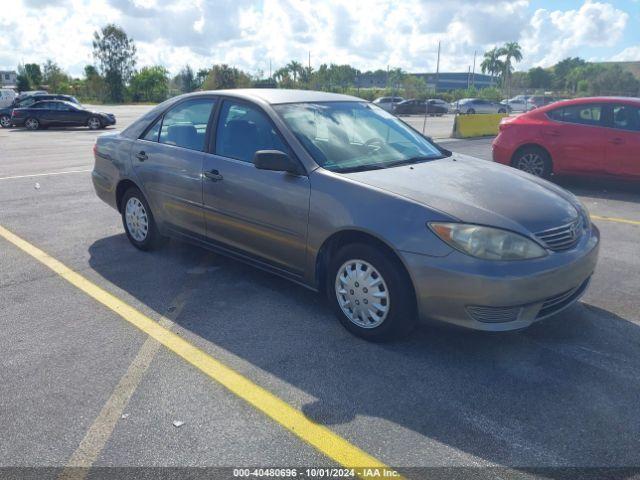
329 443
615 219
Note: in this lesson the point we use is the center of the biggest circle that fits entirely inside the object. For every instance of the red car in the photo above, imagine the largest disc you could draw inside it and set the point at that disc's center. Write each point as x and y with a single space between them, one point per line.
584 136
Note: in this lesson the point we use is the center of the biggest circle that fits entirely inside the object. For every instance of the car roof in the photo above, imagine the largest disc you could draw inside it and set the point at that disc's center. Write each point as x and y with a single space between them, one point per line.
276 96
584 100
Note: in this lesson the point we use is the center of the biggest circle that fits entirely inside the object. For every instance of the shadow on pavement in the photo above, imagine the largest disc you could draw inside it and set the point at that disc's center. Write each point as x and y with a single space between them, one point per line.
562 393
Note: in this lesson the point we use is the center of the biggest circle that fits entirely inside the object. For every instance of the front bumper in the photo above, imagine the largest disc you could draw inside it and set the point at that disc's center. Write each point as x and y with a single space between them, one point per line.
499 296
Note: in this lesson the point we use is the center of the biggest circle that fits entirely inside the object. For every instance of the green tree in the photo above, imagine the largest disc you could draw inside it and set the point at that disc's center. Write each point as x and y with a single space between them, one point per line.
94 87
224 76
414 87
187 81
491 63
150 84
33 72
512 52
295 68
55 78
538 77
115 53
22 80
563 68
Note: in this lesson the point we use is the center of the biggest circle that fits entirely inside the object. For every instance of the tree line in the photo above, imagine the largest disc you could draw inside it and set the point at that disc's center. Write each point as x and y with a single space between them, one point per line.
114 77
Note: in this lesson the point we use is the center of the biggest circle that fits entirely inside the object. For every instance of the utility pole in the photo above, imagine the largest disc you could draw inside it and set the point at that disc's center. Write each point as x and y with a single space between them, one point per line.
468 77
270 76
437 68
473 75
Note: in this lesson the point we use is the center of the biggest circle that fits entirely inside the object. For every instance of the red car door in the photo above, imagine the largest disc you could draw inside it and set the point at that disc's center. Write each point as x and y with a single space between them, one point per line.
576 139
623 140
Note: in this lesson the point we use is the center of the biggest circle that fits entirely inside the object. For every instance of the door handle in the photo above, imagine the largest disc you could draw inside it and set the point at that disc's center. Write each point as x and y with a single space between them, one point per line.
141 156
616 141
213 175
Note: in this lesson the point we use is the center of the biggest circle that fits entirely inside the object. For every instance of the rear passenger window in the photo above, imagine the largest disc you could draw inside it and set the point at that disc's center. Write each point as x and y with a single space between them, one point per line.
626 117
243 130
185 124
580 114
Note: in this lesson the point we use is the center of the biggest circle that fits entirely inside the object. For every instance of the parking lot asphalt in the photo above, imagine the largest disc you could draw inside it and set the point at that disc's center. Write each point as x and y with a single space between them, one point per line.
82 386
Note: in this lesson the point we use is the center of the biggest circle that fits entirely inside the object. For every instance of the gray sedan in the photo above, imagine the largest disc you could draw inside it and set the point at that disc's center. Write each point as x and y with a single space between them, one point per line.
338 195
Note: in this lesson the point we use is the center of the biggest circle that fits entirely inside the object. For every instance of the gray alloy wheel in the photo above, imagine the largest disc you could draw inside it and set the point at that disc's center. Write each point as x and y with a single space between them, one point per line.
362 294
94 123
136 219
531 162
32 123
5 121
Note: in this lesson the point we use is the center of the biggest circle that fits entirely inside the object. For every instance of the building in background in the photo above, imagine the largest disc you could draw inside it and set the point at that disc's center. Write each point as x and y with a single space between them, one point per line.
8 78
446 81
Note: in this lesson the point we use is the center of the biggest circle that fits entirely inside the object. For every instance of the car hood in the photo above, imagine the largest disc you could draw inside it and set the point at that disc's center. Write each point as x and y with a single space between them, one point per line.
478 191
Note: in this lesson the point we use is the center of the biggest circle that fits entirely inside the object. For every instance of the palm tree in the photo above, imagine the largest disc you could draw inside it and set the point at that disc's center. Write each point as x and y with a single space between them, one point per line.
295 68
491 63
511 51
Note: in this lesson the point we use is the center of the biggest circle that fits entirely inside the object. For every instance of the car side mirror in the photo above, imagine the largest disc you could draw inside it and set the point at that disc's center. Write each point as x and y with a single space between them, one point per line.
276 161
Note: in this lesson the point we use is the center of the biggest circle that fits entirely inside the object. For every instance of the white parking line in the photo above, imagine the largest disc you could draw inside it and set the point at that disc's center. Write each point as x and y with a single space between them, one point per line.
44 174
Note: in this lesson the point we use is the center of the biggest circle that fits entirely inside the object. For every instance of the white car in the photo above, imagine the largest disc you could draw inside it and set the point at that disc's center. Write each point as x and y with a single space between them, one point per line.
7 96
388 103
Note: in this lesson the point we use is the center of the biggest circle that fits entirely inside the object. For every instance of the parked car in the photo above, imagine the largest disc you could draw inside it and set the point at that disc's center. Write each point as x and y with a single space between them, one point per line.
585 136
7 97
517 104
414 106
340 196
58 113
537 101
479 105
24 102
30 93
388 103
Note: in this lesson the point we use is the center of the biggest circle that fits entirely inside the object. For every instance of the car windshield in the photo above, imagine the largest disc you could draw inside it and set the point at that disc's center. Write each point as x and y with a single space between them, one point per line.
353 136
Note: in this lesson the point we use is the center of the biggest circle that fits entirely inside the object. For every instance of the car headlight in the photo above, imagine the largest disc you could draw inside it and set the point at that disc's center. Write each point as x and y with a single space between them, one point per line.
586 217
486 242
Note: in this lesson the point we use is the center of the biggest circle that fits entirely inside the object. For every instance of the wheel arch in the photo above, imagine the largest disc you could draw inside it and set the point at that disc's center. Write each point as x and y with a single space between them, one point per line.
121 188
350 236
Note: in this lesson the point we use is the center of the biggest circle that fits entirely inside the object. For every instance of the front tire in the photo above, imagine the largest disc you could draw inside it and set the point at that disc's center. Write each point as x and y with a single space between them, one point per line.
370 293
533 160
471 111
32 123
94 123
5 121
138 221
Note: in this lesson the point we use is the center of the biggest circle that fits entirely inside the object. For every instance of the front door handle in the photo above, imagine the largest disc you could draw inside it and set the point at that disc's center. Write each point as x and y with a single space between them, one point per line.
141 156
213 175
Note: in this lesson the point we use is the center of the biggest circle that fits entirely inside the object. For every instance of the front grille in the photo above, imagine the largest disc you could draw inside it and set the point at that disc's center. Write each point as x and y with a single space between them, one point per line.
556 303
562 238
494 314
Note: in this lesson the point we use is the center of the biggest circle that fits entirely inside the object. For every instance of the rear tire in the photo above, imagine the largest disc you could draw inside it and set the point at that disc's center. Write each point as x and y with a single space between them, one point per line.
471 111
370 293
32 123
138 221
533 160
5 121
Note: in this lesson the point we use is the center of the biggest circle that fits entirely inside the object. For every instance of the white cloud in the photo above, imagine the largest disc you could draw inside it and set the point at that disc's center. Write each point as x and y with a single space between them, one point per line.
629 54
368 34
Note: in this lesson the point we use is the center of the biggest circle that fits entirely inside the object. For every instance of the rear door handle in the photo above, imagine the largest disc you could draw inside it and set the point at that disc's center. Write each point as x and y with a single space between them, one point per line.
141 156
616 141
213 175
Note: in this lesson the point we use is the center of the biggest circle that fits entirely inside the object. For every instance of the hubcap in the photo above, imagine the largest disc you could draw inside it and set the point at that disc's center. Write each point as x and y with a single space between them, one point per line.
137 220
362 293
5 121
31 123
94 123
531 163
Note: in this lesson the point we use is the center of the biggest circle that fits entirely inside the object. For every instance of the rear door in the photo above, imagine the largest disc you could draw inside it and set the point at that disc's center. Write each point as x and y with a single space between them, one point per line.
623 140
167 159
575 137
259 212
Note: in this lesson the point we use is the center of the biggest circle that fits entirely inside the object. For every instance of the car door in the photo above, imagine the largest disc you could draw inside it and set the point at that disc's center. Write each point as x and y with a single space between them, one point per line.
75 115
258 212
576 139
48 113
623 140
167 159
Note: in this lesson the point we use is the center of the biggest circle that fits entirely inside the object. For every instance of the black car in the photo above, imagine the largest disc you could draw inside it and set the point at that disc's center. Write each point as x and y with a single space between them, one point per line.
60 114
27 101
414 106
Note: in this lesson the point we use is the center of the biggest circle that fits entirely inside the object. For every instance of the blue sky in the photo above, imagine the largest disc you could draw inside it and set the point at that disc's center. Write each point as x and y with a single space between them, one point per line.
367 34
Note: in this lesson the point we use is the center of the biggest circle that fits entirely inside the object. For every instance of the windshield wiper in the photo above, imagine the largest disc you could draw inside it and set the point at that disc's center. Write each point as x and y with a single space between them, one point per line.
360 168
409 161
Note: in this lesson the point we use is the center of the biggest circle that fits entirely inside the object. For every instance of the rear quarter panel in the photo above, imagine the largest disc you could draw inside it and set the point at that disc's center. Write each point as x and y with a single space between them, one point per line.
112 165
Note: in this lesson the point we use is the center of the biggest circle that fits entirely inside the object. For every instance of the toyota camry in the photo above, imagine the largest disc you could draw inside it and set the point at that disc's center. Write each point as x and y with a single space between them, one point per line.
336 194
